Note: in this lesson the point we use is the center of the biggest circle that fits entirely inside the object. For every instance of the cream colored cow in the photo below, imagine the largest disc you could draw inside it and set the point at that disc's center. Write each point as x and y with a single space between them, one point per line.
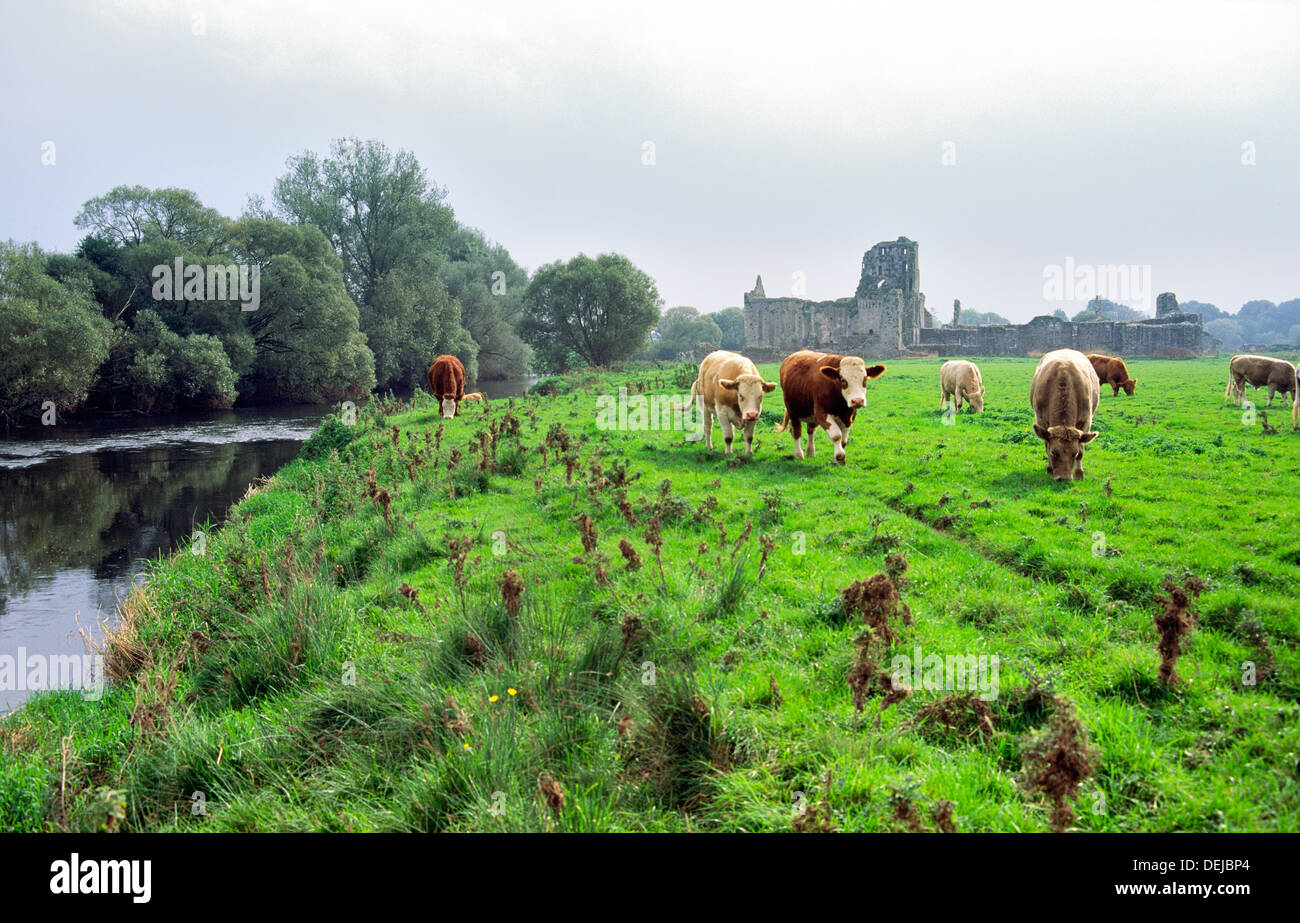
729 387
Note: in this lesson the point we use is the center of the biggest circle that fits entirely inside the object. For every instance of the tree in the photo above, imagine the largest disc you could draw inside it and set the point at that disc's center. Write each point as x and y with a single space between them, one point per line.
130 215
52 335
589 311
684 331
389 223
731 321
309 346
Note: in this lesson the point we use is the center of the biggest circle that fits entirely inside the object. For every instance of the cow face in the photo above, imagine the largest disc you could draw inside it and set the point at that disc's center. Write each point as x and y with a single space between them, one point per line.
975 402
448 408
1129 386
852 377
749 394
1064 450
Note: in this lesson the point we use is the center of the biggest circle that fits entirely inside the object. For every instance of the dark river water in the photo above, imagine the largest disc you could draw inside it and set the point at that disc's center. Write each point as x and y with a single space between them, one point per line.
83 505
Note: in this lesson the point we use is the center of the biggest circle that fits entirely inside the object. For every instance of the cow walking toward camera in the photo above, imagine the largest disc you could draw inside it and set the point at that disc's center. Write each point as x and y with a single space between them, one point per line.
1260 371
1112 371
958 380
1064 394
447 384
824 390
729 387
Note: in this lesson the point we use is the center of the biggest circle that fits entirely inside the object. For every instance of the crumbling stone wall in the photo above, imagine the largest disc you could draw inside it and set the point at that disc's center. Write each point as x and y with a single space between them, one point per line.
886 317
882 319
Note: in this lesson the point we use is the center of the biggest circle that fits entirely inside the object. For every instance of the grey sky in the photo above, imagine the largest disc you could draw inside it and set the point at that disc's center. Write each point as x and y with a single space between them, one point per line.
786 139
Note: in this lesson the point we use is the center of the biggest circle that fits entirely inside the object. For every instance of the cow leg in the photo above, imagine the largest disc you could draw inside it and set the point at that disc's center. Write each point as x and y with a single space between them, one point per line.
728 429
796 430
1114 389
1270 396
837 439
943 399
708 428
749 436
812 431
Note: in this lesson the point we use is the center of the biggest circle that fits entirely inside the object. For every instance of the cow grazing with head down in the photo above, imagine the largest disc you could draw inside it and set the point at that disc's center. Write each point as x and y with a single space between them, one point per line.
447 384
1259 371
1064 394
960 379
1112 371
729 387
826 390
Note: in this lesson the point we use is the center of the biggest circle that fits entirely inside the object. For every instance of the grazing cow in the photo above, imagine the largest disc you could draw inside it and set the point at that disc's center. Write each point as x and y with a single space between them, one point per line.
961 379
447 384
1112 371
473 396
1064 395
826 390
1278 374
729 387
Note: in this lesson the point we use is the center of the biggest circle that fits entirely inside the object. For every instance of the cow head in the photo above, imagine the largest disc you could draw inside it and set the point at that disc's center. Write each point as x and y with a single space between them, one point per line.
975 402
449 407
1129 386
852 377
749 393
1064 450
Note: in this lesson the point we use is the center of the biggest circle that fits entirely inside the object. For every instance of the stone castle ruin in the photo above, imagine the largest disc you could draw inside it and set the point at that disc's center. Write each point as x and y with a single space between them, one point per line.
887 318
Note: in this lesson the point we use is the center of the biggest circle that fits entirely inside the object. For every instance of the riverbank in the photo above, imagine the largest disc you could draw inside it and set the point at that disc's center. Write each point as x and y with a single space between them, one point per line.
517 620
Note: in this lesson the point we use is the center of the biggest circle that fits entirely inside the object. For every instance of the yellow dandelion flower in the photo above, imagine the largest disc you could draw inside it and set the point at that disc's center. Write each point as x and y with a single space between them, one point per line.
513 691
466 746
493 698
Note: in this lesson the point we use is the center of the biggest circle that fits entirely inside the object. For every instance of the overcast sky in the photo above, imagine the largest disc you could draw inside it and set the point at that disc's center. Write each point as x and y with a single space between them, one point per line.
785 140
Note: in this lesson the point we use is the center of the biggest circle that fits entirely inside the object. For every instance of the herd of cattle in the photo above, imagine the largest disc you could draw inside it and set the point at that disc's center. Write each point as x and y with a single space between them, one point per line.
826 390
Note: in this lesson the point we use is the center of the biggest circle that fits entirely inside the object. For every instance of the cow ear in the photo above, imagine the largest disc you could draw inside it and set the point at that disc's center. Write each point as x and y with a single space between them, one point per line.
769 387
831 372
729 383
1088 437
875 371
1040 432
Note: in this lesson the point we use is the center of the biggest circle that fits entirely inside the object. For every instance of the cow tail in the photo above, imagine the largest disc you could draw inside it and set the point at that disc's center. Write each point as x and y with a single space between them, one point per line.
785 423
690 400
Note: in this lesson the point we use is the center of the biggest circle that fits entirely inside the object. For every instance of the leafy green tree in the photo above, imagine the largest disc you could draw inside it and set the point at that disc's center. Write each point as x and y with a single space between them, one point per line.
52 335
166 371
592 311
306 334
390 224
411 319
731 321
684 331
129 215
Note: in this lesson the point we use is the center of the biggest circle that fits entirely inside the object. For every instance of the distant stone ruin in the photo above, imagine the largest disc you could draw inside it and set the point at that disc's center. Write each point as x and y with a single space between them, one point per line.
883 318
886 318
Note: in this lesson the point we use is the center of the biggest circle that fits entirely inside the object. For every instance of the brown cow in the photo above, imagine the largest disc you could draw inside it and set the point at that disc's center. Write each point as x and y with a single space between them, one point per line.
447 384
826 390
1064 394
1112 371
729 387
1278 374
473 396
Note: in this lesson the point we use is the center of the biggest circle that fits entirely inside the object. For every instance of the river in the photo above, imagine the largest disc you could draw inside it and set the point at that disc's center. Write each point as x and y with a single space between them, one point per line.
84 504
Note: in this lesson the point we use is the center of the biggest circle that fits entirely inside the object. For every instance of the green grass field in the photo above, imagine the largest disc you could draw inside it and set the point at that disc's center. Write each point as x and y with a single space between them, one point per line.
413 627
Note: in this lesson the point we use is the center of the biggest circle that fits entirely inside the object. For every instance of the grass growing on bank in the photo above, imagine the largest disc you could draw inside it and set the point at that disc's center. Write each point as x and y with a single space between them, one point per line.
518 621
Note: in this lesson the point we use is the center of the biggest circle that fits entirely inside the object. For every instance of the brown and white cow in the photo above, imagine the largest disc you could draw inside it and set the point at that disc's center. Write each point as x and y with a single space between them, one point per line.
1112 371
1064 394
961 379
1278 374
826 390
447 384
729 387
